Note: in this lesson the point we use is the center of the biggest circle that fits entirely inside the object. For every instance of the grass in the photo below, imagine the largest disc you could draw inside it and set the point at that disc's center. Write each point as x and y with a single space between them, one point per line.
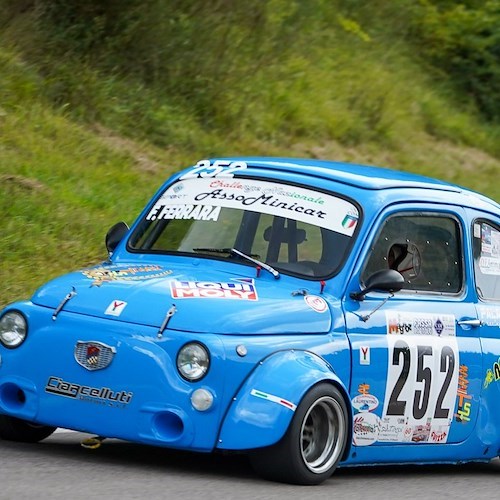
84 145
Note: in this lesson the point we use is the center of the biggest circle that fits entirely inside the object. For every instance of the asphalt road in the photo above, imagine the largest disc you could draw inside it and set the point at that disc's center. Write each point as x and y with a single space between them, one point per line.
59 468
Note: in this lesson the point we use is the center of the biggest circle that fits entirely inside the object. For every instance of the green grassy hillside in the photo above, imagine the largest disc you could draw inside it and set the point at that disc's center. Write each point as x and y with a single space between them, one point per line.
99 104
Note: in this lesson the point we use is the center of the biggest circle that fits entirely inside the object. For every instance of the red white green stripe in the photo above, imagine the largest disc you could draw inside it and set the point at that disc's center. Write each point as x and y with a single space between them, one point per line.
274 399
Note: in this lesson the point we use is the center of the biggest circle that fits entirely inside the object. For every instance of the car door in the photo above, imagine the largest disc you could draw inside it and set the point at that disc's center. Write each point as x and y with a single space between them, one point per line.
485 240
416 356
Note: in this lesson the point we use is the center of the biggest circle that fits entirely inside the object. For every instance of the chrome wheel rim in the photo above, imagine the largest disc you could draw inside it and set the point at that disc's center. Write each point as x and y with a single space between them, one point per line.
322 434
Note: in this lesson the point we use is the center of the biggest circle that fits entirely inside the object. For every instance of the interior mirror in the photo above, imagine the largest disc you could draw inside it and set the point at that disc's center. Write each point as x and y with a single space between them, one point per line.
115 235
387 280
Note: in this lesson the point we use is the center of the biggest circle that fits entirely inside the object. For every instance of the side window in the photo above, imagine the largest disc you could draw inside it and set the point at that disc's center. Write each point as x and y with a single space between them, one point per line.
487 260
425 249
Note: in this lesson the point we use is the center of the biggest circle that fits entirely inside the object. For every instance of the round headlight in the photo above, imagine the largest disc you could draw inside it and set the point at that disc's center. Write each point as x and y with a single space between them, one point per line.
13 329
193 361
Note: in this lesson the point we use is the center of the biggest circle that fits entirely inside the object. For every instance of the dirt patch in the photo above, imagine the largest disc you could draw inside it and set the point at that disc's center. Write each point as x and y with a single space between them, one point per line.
26 183
118 143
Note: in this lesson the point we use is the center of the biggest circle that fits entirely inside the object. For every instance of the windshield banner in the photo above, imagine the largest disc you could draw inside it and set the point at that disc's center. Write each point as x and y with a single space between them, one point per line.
202 199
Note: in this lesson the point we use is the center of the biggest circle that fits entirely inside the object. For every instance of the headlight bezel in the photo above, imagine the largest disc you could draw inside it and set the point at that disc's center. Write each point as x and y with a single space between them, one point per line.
203 368
22 336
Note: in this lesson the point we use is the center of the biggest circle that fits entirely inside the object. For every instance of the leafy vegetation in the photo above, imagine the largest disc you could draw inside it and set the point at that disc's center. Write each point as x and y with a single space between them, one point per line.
100 101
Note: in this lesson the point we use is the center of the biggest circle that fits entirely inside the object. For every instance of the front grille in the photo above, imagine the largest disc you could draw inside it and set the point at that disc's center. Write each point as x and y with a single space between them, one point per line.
94 355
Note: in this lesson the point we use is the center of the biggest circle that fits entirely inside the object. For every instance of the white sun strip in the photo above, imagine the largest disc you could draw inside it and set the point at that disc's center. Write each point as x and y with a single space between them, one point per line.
199 198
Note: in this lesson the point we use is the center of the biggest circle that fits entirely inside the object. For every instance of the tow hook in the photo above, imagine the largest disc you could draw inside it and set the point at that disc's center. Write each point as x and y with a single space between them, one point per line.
92 443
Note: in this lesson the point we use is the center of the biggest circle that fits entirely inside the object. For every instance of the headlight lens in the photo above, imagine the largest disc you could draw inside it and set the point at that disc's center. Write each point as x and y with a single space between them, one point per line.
13 329
193 361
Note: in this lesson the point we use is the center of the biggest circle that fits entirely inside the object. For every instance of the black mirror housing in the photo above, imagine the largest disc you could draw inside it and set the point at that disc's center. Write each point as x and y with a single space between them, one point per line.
115 235
386 280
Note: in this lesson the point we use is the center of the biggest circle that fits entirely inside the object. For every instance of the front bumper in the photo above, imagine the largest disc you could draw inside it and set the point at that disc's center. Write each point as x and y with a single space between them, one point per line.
139 396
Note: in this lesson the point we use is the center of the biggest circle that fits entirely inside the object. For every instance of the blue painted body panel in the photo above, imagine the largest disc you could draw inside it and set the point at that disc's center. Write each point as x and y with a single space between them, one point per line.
268 343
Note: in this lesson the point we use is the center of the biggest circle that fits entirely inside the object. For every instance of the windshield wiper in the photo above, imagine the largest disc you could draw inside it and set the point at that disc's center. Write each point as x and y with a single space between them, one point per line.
234 251
263 265
213 250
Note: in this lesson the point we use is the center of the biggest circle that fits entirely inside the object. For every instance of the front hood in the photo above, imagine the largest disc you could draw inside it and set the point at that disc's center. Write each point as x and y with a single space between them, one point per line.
206 299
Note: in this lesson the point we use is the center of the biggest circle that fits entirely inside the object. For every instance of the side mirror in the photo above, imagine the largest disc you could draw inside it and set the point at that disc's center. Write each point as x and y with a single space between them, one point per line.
115 235
387 280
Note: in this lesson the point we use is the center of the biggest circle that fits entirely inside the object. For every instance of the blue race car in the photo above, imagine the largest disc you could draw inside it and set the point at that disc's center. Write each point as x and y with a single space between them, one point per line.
309 313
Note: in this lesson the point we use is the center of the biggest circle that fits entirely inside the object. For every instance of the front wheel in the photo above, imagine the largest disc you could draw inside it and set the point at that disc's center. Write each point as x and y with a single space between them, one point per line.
313 444
15 429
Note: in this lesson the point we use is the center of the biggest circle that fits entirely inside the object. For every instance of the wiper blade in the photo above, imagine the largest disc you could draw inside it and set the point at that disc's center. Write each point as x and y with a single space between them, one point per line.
234 251
228 250
263 265
213 250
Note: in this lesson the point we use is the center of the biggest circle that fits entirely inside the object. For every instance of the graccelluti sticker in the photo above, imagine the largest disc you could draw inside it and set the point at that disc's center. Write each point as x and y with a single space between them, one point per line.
202 198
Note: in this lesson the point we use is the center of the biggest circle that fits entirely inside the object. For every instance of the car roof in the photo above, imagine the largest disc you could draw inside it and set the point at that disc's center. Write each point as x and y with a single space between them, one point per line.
364 176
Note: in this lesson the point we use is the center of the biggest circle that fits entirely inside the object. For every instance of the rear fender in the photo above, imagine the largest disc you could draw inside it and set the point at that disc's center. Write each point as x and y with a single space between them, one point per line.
262 410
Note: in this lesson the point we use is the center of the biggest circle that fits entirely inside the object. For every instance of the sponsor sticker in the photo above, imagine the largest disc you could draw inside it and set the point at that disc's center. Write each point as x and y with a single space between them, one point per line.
106 274
413 323
395 430
366 427
316 303
365 402
438 434
463 398
421 433
237 289
489 315
116 308
364 355
97 395
490 265
492 374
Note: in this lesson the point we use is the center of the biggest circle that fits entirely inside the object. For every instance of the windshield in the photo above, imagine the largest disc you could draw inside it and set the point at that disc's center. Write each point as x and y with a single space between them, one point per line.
294 229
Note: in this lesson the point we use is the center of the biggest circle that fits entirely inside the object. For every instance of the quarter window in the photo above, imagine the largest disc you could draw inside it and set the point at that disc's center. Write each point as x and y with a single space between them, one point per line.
425 249
487 260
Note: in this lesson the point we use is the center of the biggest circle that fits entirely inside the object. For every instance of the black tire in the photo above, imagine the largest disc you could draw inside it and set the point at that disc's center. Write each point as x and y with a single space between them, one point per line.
313 444
15 429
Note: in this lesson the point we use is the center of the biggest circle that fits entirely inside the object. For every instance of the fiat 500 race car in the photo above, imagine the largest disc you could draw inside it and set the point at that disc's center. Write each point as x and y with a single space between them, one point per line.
309 313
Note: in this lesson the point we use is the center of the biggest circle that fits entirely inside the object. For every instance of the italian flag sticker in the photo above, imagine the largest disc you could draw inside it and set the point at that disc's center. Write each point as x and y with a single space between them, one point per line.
274 399
349 221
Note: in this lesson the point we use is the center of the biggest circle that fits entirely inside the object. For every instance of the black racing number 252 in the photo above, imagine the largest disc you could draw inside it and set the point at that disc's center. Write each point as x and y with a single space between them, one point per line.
402 357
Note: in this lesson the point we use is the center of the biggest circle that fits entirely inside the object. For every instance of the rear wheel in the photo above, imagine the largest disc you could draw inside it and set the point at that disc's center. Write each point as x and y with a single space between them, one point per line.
15 429
314 443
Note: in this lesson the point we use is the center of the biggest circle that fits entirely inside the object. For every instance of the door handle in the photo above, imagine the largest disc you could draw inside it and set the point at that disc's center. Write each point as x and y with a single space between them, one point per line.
473 323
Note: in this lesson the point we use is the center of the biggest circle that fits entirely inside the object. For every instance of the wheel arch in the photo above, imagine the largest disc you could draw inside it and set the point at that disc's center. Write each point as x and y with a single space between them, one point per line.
263 407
